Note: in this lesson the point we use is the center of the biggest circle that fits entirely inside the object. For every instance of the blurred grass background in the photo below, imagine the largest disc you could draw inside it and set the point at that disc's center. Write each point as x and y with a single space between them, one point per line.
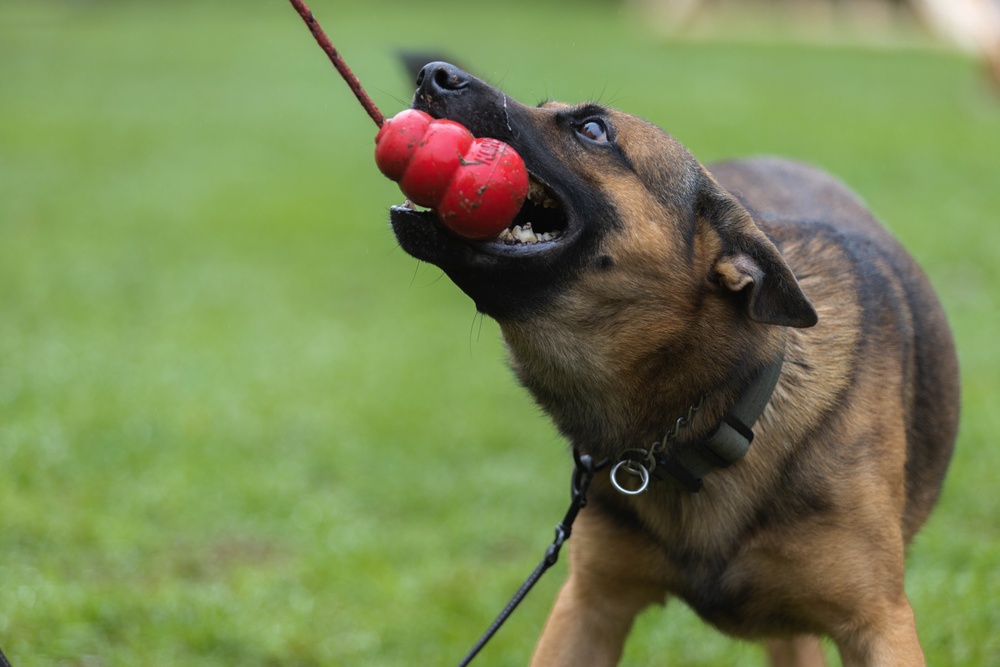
239 426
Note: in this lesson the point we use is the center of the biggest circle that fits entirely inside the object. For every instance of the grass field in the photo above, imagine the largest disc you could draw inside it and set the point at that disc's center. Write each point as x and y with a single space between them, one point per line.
239 426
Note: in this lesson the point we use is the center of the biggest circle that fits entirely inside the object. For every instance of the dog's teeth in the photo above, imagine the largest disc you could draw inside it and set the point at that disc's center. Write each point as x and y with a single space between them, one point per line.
538 195
410 205
525 234
536 191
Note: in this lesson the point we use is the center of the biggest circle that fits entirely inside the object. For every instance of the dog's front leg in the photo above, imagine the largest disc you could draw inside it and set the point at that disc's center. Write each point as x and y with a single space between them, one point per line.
595 609
801 651
587 627
887 639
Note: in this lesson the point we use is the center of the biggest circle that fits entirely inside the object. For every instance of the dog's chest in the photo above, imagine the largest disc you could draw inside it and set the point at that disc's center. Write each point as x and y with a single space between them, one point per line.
712 559
724 590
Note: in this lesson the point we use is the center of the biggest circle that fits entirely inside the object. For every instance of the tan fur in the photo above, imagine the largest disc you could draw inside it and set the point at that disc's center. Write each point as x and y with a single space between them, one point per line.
802 651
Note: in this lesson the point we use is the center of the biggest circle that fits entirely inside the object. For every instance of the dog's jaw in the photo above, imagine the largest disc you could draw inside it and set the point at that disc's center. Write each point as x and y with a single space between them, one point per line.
505 279
553 235
543 220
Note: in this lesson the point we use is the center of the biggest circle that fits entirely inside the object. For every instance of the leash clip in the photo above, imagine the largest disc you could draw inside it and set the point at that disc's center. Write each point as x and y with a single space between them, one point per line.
633 463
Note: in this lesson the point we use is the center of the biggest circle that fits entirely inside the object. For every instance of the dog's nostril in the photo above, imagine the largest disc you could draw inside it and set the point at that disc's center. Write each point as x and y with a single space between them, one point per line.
441 77
449 79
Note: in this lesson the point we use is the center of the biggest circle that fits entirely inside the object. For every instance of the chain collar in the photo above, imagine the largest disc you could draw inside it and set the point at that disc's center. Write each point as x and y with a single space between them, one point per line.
642 462
686 465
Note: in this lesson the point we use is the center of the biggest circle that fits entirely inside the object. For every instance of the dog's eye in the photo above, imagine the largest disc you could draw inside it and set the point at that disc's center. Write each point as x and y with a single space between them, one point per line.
594 130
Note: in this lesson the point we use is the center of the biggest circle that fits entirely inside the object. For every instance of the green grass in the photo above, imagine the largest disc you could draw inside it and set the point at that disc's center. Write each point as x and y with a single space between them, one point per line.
239 426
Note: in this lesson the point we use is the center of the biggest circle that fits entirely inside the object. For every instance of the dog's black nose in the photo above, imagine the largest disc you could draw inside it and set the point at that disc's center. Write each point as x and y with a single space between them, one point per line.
441 78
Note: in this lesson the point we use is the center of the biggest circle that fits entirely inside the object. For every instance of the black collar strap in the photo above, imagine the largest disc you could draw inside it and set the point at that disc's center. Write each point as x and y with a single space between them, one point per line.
684 464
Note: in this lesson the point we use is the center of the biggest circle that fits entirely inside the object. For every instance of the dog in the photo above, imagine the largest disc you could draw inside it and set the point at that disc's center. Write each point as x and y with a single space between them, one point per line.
664 315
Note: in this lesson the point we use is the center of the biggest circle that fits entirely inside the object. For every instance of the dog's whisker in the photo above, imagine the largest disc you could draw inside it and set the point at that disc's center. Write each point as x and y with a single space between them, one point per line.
506 114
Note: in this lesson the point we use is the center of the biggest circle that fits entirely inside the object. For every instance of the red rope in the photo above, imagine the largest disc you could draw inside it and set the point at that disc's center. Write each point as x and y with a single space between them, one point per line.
338 62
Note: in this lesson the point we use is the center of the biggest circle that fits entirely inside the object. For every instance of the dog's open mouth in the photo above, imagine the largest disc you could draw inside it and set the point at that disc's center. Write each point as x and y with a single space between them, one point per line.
542 219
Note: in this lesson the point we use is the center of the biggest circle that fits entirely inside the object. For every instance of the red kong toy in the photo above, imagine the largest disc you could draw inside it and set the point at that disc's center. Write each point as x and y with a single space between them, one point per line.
476 186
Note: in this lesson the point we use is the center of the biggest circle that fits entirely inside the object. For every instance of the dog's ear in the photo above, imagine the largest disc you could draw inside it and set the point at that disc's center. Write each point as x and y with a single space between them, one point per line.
750 266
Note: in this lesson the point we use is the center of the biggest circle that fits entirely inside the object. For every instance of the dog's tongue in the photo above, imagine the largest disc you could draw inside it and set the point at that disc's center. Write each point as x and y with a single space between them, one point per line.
476 186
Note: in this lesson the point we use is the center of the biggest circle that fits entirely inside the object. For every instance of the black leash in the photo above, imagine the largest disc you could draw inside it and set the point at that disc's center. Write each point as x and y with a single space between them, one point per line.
3 660
583 474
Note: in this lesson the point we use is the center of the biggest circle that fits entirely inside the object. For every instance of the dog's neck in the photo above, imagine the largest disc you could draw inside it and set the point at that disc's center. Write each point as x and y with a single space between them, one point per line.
683 461
606 403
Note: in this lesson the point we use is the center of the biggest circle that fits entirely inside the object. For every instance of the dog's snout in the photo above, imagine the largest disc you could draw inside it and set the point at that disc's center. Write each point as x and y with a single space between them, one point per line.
447 91
442 78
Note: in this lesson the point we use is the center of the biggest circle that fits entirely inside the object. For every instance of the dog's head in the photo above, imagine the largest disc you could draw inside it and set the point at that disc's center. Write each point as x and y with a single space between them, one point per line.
609 192
637 238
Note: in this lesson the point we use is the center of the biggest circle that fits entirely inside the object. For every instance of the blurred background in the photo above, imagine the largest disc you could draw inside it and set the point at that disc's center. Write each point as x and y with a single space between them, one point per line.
239 426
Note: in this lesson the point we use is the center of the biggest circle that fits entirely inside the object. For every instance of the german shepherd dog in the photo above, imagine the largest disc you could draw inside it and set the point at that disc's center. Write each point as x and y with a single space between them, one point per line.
663 314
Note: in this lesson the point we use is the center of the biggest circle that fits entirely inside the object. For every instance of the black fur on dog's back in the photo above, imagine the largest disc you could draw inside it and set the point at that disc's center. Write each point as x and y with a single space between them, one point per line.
785 196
